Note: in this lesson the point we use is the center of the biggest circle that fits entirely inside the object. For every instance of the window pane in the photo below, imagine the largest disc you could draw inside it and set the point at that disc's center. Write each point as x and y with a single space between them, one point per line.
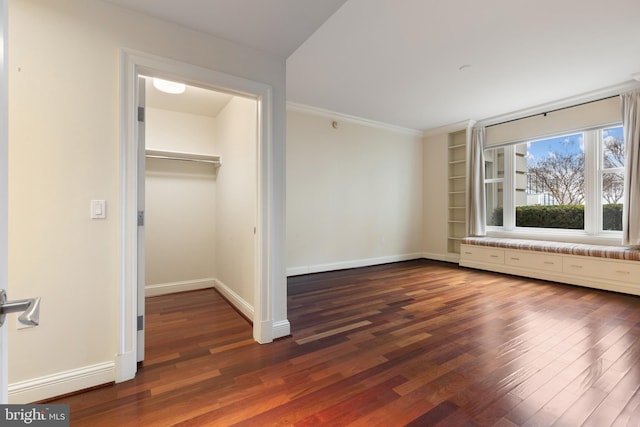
612 191
550 183
494 195
494 170
494 163
612 148
612 178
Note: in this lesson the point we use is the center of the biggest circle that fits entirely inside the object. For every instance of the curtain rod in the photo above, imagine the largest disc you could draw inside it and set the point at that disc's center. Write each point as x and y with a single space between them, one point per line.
551 111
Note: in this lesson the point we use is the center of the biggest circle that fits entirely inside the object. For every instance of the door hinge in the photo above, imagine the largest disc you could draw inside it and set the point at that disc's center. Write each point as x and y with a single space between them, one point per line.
141 114
140 323
140 218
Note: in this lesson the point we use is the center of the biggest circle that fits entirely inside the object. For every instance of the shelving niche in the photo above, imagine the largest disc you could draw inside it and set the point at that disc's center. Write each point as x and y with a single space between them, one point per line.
457 190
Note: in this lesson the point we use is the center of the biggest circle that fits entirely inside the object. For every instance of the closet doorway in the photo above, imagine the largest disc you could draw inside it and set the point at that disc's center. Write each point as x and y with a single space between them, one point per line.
199 193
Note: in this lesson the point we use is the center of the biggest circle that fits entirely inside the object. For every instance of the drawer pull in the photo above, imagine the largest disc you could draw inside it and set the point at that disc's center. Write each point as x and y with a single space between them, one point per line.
467 253
494 256
623 272
576 266
515 259
549 262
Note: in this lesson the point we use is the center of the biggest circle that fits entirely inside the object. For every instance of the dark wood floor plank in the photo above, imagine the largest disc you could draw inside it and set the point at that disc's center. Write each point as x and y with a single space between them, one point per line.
412 343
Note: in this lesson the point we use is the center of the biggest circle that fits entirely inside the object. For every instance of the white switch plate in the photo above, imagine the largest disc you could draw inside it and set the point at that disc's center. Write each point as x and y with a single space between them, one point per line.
98 209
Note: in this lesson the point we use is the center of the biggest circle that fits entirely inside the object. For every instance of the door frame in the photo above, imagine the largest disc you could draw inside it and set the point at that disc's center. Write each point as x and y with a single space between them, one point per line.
134 63
4 197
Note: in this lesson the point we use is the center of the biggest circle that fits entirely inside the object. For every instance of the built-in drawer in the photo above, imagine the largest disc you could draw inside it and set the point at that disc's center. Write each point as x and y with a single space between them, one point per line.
482 254
529 259
621 271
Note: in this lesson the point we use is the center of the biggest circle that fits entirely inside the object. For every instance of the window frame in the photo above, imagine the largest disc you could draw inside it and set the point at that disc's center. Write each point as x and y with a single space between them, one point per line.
594 171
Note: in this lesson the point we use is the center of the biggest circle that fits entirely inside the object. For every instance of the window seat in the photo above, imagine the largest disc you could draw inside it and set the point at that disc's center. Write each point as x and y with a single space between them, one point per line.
601 251
613 268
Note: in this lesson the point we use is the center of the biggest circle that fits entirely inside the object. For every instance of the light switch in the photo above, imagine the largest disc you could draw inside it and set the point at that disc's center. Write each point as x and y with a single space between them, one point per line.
98 209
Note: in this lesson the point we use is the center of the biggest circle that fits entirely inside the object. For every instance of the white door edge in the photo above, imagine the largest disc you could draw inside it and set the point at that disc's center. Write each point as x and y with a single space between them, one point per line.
4 203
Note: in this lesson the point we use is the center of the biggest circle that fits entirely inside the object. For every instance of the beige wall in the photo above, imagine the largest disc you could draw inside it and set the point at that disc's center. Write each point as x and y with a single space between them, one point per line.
354 194
64 151
179 201
435 213
236 197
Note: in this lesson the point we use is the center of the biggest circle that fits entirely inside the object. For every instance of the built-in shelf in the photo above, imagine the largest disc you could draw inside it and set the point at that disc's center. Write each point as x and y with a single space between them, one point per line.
182 156
457 177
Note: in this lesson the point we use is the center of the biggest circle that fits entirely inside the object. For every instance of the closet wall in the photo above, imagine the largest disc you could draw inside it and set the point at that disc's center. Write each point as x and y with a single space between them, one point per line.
200 219
180 203
236 198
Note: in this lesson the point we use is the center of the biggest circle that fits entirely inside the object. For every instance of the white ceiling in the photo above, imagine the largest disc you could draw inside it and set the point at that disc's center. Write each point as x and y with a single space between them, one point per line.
398 61
194 100
274 26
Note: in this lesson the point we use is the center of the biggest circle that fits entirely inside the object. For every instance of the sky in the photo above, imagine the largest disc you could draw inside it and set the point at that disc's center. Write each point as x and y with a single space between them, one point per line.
567 144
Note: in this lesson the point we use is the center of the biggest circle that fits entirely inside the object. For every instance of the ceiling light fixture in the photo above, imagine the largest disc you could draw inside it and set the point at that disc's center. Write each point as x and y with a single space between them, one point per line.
169 86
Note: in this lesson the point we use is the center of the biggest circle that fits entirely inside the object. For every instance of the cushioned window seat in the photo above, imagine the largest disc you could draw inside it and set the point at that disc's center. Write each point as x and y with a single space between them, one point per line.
614 268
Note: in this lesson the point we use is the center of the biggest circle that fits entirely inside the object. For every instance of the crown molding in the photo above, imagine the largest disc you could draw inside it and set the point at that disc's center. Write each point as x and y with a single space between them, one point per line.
292 106
450 128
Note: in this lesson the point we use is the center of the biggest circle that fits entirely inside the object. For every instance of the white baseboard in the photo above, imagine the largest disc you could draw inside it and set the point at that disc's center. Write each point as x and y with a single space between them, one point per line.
61 383
173 287
342 265
238 302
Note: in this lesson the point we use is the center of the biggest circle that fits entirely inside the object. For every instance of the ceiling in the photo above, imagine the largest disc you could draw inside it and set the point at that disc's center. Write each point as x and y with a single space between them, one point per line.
194 100
422 64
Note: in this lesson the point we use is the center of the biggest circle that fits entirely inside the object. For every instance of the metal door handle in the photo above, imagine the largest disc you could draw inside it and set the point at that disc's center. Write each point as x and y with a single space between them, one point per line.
31 308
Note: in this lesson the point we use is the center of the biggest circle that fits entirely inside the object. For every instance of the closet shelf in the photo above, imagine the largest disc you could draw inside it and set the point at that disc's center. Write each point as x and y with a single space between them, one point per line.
187 157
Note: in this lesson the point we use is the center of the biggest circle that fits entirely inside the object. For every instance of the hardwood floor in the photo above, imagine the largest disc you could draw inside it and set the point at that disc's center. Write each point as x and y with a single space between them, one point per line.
416 343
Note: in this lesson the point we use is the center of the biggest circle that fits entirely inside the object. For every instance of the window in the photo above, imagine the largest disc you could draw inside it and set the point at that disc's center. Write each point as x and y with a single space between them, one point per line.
611 177
564 183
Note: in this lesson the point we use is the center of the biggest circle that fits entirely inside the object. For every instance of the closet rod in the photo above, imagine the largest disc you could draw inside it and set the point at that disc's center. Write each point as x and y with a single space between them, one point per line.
187 157
184 159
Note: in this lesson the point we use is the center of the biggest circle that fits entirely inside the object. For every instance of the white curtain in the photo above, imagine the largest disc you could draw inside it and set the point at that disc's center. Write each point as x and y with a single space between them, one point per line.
631 210
476 201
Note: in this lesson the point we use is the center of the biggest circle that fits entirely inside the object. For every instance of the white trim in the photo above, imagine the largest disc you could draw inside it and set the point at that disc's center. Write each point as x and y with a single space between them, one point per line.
292 106
132 64
61 383
126 365
562 103
4 203
236 300
343 265
281 329
175 287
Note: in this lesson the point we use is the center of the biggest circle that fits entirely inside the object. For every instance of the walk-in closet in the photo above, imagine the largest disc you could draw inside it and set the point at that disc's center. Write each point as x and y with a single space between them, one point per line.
200 192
